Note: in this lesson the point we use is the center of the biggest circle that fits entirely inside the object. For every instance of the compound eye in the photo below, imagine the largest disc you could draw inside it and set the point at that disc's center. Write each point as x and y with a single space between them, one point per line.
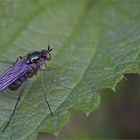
48 56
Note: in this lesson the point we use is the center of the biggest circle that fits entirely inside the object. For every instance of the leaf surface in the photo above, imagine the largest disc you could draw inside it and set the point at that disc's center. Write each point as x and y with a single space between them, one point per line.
94 43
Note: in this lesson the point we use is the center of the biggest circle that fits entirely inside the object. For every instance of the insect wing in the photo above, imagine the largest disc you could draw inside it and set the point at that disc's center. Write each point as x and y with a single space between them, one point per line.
13 73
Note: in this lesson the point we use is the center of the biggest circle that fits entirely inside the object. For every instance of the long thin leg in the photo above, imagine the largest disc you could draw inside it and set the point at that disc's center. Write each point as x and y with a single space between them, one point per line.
7 62
19 97
19 58
43 91
47 69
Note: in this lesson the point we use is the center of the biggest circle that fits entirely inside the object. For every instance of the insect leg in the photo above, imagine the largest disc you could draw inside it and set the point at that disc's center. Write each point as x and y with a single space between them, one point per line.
43 91
19 97
19 58
8 62
47 69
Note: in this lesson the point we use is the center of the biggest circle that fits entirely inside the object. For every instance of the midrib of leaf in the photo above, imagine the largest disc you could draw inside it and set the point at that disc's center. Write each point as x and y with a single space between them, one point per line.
85 17
71 38
96 47
114 78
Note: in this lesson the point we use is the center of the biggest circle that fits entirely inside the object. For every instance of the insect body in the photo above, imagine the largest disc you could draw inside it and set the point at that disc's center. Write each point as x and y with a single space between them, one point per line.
25 68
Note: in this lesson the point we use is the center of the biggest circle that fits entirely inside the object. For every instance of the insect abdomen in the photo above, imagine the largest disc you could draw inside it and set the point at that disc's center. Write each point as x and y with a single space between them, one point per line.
16 84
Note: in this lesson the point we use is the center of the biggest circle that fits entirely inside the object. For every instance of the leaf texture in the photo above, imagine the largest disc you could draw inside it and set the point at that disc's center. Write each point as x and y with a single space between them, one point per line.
94 43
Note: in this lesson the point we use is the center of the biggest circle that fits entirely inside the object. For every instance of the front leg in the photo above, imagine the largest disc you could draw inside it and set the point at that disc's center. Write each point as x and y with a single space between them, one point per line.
18 59
9 62
17 102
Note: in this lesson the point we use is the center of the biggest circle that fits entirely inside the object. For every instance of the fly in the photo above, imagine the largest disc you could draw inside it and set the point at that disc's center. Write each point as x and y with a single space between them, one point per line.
18 74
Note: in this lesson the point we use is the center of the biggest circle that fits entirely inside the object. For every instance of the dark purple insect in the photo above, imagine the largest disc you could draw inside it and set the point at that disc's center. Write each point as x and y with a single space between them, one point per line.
24 68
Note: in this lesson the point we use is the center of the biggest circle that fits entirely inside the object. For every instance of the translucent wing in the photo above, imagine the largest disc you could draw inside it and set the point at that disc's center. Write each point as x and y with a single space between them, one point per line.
13 73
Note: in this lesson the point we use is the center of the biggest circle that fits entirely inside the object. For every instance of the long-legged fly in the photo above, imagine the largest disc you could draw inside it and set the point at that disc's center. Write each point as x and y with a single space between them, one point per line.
18 74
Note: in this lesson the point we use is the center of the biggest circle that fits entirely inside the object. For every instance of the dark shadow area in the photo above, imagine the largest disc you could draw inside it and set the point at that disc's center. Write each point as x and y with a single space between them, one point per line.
118 116
46 136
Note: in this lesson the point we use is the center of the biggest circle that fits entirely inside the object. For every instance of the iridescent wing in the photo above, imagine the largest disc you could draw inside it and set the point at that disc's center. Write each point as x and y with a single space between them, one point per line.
13 73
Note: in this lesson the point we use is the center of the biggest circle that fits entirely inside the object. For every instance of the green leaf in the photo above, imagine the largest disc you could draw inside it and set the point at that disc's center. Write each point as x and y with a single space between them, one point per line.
94 43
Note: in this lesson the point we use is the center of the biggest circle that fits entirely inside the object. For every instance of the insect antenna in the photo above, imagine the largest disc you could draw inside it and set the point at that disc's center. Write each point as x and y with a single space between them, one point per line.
43 92
17 102
49 48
